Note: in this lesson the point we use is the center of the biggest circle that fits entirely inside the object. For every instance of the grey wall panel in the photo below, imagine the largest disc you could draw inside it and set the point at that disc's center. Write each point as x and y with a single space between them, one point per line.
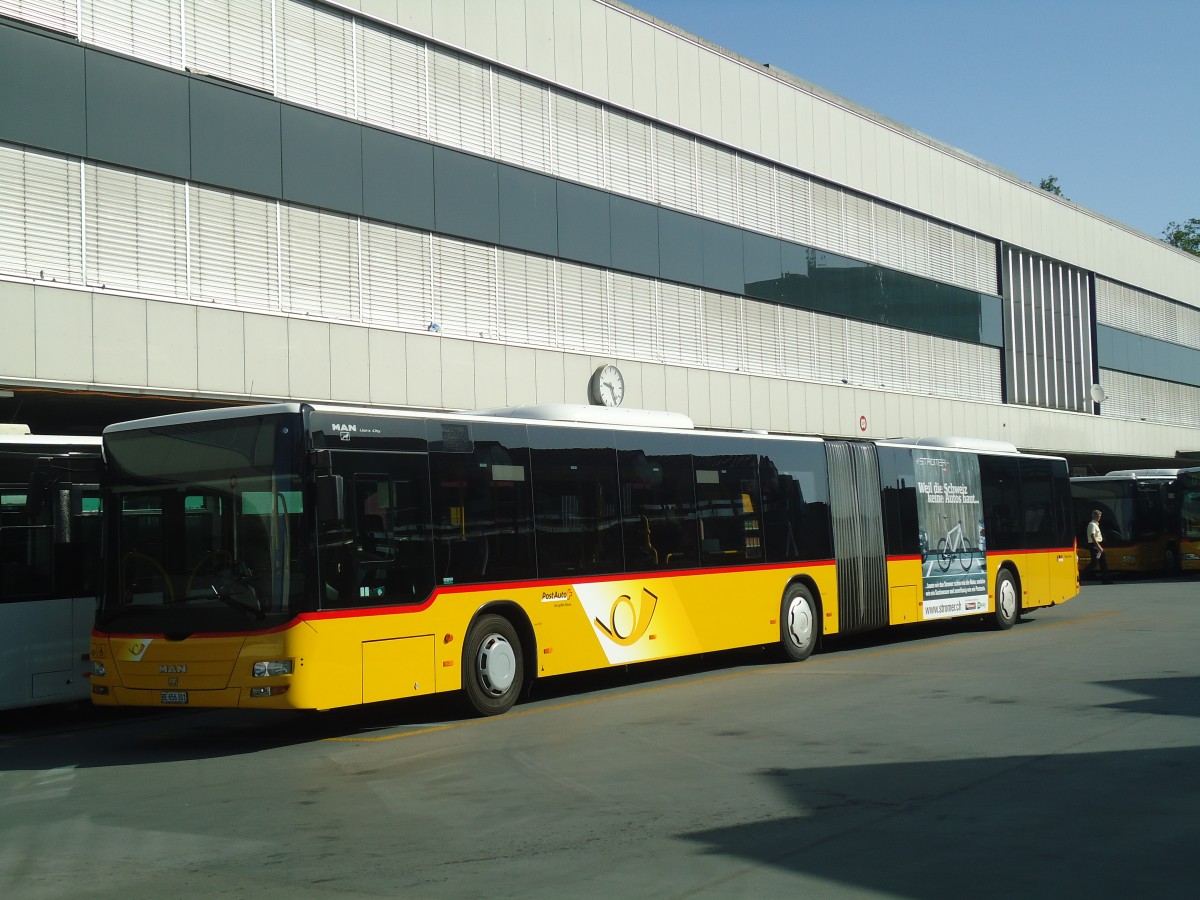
350 364
680 247
236 139
119 344
539 26
389 366
568 64
482 32
171 345
763 264
41 92
322 160
724 269
137 115
528 211
397 179
583 224
634 236
466 195
17 356
63 334
267 358
221 351
308 359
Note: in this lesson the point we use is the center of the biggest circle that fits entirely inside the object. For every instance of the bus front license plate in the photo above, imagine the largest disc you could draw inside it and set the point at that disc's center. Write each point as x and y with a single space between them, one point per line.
176 697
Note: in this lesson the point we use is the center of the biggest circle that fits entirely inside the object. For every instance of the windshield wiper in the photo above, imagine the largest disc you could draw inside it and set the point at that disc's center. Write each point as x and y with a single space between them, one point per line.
229 599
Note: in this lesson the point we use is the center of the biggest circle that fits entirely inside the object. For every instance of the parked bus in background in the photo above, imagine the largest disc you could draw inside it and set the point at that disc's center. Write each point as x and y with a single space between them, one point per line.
309 556
1140 520
49 565
1189 519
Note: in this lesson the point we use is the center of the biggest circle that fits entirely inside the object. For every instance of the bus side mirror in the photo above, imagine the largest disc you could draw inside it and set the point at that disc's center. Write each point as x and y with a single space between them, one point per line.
331 500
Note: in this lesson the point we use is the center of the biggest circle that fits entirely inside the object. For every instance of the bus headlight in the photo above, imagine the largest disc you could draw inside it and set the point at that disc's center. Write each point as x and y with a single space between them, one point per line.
98 669
272 667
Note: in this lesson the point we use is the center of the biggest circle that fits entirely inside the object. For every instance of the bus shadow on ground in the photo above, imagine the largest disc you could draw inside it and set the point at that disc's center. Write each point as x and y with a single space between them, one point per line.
1105 824
87 736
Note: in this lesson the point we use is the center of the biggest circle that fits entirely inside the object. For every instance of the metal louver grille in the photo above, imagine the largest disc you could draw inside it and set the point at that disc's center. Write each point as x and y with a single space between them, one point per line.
135 229
629 156
718 183
231 40
235 251
461 98
392 81
586 309
397 289
676 170
637 321
522 122
315 57
528 312
147 29
1140 312
578 140
319 260
41 230
320 56
464 289
61 15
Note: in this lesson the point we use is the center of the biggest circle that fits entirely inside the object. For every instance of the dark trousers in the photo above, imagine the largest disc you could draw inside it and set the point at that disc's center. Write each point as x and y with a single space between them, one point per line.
1098 556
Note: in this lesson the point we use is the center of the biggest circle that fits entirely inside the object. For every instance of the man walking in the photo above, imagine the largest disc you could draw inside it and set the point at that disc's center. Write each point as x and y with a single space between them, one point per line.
1095 540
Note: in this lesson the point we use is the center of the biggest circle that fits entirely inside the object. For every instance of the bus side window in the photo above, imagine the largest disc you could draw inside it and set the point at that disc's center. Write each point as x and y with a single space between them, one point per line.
25 548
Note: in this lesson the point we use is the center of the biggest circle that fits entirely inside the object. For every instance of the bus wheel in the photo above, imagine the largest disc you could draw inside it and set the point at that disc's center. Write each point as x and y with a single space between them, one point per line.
799 625
1171 561
1008 603
493 668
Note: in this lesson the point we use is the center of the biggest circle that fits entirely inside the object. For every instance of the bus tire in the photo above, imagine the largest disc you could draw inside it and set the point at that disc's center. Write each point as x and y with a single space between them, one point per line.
1008 602
1171 560
493 666
799 624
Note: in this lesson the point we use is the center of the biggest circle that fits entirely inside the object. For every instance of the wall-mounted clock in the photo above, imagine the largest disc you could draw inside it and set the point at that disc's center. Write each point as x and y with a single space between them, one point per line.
607 387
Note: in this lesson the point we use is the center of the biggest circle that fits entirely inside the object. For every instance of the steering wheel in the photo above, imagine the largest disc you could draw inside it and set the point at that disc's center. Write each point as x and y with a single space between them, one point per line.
214 558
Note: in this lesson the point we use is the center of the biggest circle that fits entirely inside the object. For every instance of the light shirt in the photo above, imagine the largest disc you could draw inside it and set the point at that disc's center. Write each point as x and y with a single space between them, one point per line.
1093 533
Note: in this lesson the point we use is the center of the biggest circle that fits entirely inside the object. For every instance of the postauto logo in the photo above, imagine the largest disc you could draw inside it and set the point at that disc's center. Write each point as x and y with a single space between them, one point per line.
628 621
621 614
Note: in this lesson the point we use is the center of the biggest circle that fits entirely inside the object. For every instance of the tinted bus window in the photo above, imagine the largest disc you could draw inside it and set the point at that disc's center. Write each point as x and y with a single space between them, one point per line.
1061 476
576 501
1037 492
897 480
482 505
658 501
389 552
1000 477
728 502
795 497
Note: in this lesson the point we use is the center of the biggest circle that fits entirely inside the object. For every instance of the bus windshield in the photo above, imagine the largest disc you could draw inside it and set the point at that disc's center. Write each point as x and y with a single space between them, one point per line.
206 521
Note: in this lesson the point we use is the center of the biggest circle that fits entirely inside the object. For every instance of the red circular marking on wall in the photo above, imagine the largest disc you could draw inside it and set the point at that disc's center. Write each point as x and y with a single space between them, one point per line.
862 423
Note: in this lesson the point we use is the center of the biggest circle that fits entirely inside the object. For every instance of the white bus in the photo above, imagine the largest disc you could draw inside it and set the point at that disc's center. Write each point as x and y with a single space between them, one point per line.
49 565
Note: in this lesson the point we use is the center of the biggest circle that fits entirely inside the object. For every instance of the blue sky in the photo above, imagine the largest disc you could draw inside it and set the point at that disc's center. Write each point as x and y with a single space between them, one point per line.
1102 94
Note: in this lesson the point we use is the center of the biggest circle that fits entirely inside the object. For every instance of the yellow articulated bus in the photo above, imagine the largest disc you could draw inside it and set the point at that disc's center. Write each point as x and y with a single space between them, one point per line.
310 557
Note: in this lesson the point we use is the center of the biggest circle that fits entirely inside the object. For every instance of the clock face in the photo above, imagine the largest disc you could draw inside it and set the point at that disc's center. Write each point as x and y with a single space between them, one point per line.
608 386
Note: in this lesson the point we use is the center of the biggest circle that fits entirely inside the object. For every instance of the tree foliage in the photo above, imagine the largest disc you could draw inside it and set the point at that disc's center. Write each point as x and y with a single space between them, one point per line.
1184 235
1051 186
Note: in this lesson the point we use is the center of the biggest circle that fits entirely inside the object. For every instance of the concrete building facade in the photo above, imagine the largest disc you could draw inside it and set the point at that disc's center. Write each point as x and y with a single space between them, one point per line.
460 204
